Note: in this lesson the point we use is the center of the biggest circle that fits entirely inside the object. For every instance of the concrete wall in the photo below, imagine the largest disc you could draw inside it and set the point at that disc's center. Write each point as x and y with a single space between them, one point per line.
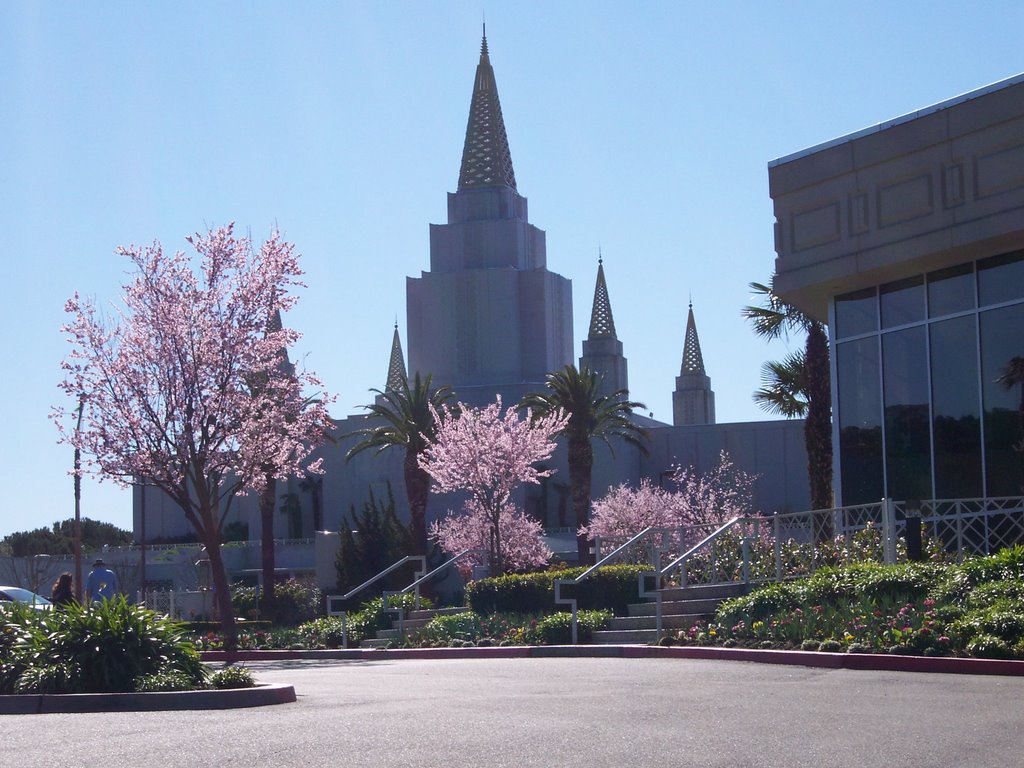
935 188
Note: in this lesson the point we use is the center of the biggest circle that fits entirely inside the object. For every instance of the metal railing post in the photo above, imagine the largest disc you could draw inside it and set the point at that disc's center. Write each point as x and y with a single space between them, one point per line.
889 529
777 547
657 612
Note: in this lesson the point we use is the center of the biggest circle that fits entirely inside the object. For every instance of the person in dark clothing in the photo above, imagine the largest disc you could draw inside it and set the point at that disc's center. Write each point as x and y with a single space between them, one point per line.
62 594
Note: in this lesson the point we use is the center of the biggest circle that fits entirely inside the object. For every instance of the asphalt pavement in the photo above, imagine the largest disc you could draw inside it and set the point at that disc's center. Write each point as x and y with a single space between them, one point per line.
594 712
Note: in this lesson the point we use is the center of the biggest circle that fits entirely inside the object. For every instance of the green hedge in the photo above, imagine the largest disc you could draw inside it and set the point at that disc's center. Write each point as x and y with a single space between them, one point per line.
610 588
202 627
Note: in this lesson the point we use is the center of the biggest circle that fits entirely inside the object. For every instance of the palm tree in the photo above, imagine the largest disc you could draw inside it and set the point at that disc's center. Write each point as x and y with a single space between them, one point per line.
784 386
407 417
591 415
800 378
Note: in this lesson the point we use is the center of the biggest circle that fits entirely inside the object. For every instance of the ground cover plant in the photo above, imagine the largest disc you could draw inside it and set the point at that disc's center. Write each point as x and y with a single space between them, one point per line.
113 646
514 609
971 609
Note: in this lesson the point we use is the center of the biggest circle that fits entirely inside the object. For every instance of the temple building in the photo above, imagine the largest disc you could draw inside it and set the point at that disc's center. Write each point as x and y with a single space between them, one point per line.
907 238
490 318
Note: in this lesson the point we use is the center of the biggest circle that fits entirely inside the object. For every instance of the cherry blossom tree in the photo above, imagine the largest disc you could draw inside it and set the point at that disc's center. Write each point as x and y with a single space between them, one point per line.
168 381
625 511
699 500
713 497
488 453
522 547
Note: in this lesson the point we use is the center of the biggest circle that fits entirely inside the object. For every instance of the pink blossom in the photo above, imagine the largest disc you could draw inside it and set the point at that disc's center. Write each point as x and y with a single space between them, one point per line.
488 453
698 500
522 547
186 387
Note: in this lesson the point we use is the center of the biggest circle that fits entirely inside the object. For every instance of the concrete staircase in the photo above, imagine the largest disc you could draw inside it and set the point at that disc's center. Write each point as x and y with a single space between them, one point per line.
413 620
681 607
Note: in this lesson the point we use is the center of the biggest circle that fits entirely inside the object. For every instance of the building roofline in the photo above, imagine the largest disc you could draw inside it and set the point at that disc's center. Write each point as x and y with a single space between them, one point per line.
964 97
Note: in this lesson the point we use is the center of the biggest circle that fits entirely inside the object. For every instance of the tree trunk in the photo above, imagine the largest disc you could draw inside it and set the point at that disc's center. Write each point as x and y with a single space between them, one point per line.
221 588
417 491
267 499
818 426
581 463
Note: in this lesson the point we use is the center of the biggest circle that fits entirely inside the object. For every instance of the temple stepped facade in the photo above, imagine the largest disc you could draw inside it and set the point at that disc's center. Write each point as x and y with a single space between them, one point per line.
490 318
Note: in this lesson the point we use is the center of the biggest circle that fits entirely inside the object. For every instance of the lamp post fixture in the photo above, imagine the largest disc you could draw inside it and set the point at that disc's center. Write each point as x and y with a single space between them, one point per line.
38 566
78 503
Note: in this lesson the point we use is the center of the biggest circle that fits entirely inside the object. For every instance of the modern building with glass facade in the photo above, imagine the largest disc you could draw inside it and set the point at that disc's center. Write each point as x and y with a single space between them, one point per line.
908 238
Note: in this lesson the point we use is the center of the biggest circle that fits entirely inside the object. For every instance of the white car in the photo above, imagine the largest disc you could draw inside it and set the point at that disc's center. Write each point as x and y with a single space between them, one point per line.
19 595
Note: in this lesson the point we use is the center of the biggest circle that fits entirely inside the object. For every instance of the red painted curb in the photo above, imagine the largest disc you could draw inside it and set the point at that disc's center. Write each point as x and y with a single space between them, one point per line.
817 659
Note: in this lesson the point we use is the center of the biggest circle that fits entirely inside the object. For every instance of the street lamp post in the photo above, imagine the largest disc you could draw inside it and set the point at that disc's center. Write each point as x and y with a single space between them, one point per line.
78 503
38 566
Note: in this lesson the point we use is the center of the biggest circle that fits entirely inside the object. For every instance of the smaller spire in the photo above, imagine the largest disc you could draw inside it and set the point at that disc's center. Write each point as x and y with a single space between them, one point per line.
396 365
693 360
484 57
602 324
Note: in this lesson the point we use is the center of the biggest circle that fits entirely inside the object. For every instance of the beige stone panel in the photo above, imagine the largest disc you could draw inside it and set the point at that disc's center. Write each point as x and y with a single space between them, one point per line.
815 227
905 200
999 171
900 140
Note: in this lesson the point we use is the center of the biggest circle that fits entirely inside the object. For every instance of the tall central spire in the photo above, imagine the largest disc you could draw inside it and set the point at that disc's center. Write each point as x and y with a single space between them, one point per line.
486 159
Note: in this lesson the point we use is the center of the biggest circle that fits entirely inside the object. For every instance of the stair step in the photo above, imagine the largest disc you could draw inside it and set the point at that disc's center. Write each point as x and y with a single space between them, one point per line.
429 613
706 591
674 621
706 606
624 636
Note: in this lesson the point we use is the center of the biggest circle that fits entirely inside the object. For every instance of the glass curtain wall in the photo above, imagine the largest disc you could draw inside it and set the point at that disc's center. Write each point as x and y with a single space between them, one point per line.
930 384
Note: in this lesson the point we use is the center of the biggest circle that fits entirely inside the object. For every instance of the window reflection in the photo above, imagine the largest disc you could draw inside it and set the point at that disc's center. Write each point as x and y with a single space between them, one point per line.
1001 278
907 428
856 313
951 291
860 421
902 302
955 409
1002 350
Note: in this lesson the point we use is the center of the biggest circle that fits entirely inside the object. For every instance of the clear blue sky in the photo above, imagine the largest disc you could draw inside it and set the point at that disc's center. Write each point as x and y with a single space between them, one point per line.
642 128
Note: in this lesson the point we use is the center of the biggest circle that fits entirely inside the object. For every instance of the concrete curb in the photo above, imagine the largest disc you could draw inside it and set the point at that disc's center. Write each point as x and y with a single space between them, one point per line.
232 698
854 661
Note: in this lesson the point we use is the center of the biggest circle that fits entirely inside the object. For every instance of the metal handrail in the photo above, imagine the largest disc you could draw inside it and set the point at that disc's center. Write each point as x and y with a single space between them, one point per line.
559 600
658 573
364 585
423 578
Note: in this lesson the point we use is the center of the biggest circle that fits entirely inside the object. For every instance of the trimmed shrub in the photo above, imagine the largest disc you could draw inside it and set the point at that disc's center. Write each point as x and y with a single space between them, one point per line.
445 630
362 625
556 629
610 588
295 601
989 647
324 633
232 677
758 605
164 681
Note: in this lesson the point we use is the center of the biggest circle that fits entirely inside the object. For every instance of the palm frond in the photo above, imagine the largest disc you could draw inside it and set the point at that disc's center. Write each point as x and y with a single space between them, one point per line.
784 386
